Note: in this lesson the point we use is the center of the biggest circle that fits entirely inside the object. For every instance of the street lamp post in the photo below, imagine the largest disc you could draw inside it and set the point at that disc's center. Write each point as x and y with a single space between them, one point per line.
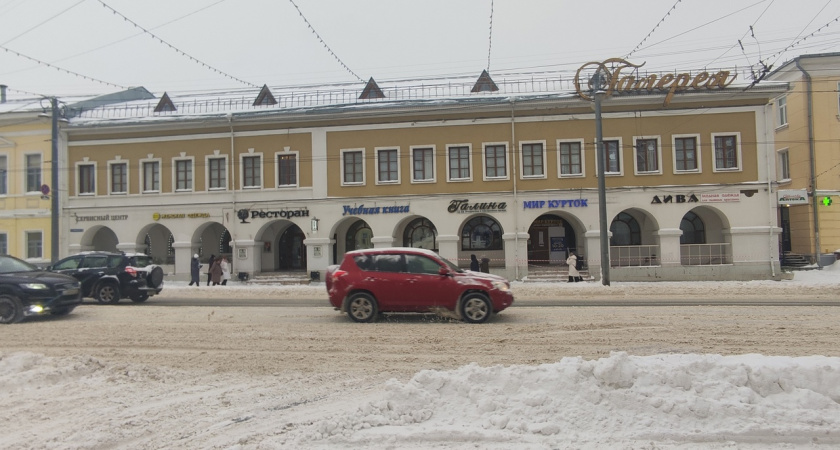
598 95
54 182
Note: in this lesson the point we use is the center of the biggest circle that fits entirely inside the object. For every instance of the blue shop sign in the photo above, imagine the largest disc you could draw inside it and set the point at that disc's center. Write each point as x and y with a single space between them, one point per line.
362 210
539 204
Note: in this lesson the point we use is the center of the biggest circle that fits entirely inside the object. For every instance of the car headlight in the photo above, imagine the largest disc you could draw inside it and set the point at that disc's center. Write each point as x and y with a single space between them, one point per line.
34 286
501 285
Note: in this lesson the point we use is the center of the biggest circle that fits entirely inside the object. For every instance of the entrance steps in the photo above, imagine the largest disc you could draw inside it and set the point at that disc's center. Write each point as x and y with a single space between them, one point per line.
795 260
279 278
552 273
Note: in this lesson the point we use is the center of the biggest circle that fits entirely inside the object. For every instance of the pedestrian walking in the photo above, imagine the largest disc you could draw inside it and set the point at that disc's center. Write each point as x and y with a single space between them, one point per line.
216 271
574 275
195 266
210 267
474 263
225 265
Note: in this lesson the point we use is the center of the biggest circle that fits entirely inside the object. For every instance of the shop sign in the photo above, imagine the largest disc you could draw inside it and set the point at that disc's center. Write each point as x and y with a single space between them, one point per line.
539 204
100 218
679 198
793 196
77 230
722 197
465 207
363 210
669 83
159 216
244 214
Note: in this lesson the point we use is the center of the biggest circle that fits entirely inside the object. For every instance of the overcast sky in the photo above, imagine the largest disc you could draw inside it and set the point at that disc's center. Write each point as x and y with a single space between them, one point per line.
249 43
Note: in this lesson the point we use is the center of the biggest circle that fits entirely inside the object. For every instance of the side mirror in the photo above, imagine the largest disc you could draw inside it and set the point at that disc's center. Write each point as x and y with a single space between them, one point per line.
444 272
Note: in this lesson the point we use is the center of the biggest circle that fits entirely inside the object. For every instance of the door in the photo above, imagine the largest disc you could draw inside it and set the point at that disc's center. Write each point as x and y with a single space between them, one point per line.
290 250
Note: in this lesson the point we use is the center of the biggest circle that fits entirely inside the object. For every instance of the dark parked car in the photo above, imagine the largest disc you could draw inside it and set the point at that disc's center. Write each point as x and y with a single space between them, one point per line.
26 290
379 280
108 277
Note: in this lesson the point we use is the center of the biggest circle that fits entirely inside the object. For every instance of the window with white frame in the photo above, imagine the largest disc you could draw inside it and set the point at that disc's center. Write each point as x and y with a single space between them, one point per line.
458 162
422 164
4 175
570 158
784 164
86 178
781 111
686 153
33 173
34 244
353 167
252 171
183 175
217 173
387 166
4 244
495 161
727 151
287 169
119 177
612 157
647 155
150 174
533 159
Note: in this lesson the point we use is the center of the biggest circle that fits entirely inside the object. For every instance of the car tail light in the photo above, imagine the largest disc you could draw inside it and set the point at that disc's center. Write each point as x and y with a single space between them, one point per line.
131 271
339 273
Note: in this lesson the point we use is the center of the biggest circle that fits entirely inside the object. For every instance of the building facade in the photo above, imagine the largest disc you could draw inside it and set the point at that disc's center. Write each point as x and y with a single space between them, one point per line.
690 183
807 135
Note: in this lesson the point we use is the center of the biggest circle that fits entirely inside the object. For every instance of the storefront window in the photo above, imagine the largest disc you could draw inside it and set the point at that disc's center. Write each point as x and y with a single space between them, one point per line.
694 232
359 236
625 231
420 233
481 233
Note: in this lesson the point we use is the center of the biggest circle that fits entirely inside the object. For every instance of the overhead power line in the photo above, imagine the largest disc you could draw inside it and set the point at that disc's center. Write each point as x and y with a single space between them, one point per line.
654 29
181 52
324 43
8 50
36 26
490 39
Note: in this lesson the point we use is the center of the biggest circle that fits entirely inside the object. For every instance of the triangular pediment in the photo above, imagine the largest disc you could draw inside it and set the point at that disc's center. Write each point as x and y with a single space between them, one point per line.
484 83
371 91
165 104
265 98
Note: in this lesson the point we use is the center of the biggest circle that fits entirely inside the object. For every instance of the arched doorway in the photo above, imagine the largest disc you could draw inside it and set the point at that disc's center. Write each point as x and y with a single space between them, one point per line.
420 233
550 240
359 236
291 252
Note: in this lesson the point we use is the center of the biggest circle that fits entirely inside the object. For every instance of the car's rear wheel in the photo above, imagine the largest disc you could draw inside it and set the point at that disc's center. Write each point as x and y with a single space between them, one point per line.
11 309
476 308
139 297
362 307
107 293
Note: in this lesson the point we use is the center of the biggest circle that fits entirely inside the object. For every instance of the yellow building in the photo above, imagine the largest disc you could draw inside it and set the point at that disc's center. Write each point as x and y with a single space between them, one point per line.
807 124
290 181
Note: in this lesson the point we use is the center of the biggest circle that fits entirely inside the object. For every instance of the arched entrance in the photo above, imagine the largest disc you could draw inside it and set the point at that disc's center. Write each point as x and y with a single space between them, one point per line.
359 236
156 241
551 238
420 233
100 238
291 252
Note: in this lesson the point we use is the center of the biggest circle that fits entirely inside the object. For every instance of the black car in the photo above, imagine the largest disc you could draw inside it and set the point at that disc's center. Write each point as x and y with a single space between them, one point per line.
26 290
108 277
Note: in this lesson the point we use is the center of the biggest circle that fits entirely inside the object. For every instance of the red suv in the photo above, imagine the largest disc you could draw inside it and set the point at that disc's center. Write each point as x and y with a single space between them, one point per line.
379 280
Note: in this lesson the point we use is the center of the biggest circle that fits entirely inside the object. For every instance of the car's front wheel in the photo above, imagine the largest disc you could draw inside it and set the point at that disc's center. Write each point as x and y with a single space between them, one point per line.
107 293
361 307
11 309
476 308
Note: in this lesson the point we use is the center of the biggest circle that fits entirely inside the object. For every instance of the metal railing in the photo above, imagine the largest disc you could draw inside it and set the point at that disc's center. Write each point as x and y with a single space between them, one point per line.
705 254
633 255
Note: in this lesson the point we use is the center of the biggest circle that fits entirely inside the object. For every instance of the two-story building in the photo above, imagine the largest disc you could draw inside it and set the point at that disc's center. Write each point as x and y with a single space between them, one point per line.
290 181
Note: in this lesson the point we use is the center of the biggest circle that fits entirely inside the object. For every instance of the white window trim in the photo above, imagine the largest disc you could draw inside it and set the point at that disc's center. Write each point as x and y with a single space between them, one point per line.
251 154
364 167
779 109
697 150
79 164
484 146
175 160
779 164
277 156
739 166
25 240
149 159
658 170
111 174
582 159
434 163
8 172
25 176
620 156
376 151
459 180
216 155
522 175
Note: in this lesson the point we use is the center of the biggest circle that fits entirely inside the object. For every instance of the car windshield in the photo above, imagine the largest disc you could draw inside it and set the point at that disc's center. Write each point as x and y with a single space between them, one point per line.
452 267
12 265
140 261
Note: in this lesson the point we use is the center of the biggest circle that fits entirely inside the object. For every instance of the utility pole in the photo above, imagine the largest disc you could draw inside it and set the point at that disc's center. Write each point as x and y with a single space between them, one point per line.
598 95
54 182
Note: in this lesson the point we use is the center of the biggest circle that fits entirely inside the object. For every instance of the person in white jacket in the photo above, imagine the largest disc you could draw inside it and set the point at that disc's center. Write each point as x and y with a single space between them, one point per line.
225 270
574 275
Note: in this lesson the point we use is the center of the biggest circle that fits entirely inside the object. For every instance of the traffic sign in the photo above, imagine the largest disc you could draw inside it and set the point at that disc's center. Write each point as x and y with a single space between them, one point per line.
45 189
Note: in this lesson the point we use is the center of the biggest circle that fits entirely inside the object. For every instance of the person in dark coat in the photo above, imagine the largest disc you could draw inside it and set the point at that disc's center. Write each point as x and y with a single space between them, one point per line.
195 266
210 267
216 271
474 263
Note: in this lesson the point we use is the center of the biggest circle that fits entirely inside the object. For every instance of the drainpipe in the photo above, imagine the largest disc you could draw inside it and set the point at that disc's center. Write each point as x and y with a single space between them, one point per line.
812 155
515 199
